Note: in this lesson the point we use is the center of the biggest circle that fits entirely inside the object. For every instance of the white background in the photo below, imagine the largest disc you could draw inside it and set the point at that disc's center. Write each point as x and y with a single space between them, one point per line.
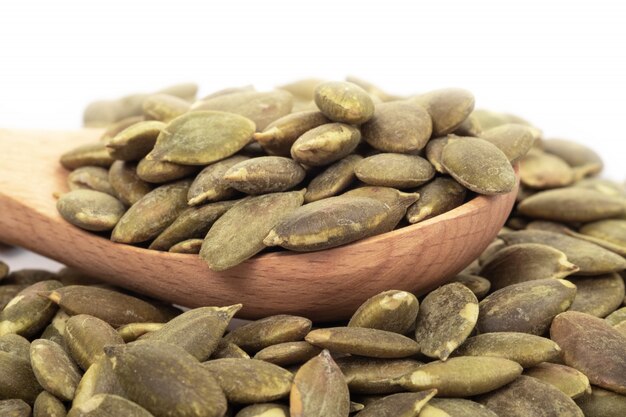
559 64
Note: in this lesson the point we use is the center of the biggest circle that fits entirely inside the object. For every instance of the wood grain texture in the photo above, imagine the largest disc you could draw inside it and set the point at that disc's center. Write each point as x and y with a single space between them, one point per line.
324 286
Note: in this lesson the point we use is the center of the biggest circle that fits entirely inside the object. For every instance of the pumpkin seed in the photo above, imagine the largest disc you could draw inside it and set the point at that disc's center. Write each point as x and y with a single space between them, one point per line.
539 170
189 246
269 331
14 408
16 345
394 170
90 178
98 379
514 140
164 107
264 410
406 404
344 102
86 337
580 157
392 311
17 380
568 380
55 371
125 182
136 141
104 405
132 331
159 172
602 403
47 405
434 152
325 144
91 210
279 136
332 180
613 231
229 350
598 296
478 285
93 154
437 197
448 108
375 376
455 407
266 174
289 353
209 185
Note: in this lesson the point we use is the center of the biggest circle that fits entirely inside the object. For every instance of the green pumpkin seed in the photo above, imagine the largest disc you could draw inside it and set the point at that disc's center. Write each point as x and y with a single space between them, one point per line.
437 197
289 353
264 410
91 210
603 186
325 144
344 102
90 178
86 337
539 170
27 314
598 296
526 349
266 174
8 292
613 319
525 262
478 285
392 311
395 170
583 159
463 376
434 152
203 137
159 172
98 379
55 371
132 331
192 391
189 246
269 331
455 407
209 185
136 141
56 329
16 345
104 405
262 108
514 140
400 127
487 119
329 223
396 200
148 217
164 107
14 408
333 180
494 247
528 396
229 350
238 234
571 205
602 403
590 258
249 381
126 184
372 343
613 231
47 405
93 154
527 307
319 389
568 380
406 404
114 128
17 380
447 317
375 376
278 137
448 108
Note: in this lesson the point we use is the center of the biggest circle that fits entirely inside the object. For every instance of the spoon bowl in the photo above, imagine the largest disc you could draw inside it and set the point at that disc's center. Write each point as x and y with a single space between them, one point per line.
324 286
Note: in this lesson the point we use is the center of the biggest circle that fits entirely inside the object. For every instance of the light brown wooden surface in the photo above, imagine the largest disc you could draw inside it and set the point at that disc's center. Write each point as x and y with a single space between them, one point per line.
325 286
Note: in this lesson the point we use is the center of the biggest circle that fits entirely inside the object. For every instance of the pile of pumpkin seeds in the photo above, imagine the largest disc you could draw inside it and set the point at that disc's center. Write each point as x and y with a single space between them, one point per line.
308 166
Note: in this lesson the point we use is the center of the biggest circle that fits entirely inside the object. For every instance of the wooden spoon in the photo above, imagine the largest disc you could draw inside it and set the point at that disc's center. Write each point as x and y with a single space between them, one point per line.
324 286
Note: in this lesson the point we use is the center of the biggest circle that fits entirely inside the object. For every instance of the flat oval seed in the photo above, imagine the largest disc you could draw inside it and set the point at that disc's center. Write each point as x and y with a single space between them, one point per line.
115 128
602 403
17 379
27 314
177 383
514 140
478 165
264 410
262 108
55 371
375 376
16 345
400 127
526 349
90 178
91 210
526 397
615 318
434 151
598 296
93 154
47 405
193 222
289 353
8 292
371 343
199 138
189 246
602 185
229 350
437 197
396 200
113 307
279 136
98 379
132 331
104 405
14 408
319 389
478 285
329 223
406 404
128 187
325 144
447 317
198 331
448 108
345 102
393 311
148 217
250 381
525 262
269 331
394 170
571 205
613 231
333 180
209 185
581 337
455 407
488 119
568 380
266 174
159 172
164 107
582 158
86 337
238 234
528 307
590 258
136 141
541 171
463 376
